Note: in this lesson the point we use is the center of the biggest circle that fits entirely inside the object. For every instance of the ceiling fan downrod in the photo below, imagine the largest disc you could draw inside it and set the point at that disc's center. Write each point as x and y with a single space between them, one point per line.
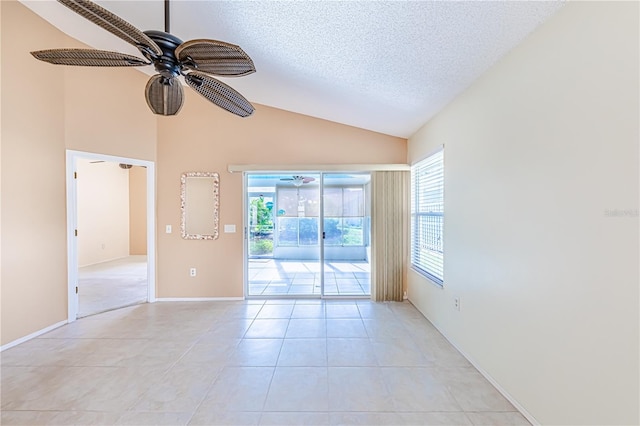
166 16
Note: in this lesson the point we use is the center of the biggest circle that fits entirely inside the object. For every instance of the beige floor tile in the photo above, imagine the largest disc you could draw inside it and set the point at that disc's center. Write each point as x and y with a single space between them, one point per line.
210 353
135 418
440 352
213 363
338 311
294 418
377 329
358 389
298 389
306 328
181 389
275 311
354 352
226 329
115 388
399 419
106 352
239 389
303 353
61 418
498 419
38 352
308 311
472 391
156 354
256 353
418 389
267 328
398 353
375 311
207 417
242 311
345 328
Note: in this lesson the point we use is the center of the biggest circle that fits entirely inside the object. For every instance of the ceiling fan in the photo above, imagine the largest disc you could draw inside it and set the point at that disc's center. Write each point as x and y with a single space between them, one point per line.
195 60
299 180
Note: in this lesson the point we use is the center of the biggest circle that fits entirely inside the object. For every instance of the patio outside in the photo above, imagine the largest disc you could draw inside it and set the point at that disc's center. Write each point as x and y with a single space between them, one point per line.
269 277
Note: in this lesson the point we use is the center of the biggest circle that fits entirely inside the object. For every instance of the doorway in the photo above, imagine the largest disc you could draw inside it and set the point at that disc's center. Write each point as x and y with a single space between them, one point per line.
111 241
307 234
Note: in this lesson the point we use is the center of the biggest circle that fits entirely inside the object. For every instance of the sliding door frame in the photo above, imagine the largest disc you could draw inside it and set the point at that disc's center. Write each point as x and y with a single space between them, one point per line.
321 240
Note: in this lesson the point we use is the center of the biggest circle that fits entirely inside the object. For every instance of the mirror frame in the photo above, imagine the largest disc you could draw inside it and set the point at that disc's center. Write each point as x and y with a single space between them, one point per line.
215 192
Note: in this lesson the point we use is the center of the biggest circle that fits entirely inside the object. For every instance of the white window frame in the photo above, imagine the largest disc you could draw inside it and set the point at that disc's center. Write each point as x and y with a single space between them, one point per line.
427 217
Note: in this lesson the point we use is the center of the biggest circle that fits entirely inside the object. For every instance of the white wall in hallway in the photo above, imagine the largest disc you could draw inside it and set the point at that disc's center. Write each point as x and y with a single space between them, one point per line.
103 212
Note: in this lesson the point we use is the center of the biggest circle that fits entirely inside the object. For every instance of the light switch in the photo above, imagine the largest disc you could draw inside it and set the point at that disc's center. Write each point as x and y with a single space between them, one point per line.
168 229
230 229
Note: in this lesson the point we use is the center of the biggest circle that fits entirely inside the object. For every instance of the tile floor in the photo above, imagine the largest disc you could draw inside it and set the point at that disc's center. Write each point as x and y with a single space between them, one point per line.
273 277
255 362
110 285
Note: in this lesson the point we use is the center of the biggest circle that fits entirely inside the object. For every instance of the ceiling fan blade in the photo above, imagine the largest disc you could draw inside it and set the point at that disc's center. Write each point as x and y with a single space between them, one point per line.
114 24
164 96
88 58
219 93
215 57
308 179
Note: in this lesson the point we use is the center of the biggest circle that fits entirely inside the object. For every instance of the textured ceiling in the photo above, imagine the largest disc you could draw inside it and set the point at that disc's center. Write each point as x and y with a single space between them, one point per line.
386 66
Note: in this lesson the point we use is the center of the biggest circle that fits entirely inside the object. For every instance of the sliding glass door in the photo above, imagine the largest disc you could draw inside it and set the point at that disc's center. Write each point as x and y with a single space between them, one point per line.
283 235
347 233
293 221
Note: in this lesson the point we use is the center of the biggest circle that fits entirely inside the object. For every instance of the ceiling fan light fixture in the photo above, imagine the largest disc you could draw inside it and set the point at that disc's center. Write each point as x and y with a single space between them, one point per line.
164 96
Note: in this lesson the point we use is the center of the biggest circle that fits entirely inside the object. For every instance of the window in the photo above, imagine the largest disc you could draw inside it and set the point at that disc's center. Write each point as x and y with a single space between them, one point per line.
427 214
297 216
344 216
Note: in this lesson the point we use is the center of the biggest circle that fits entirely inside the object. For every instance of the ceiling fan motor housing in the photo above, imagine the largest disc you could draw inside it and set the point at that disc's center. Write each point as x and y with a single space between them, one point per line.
167 65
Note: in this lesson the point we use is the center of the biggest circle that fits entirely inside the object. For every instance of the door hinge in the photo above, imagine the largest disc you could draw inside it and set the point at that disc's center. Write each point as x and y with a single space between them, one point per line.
75 175
76 289
75 231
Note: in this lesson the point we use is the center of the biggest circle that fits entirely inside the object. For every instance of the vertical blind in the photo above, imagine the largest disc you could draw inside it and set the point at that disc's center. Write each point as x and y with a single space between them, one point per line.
427 217
389 228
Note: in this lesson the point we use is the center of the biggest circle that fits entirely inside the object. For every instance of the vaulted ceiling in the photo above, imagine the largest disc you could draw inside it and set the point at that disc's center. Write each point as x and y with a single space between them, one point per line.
385 66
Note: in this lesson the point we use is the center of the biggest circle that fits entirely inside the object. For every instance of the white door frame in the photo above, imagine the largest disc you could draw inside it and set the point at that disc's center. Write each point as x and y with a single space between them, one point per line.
72 222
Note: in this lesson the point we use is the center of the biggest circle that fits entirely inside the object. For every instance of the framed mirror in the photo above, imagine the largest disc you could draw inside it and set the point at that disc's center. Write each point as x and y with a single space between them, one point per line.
199 202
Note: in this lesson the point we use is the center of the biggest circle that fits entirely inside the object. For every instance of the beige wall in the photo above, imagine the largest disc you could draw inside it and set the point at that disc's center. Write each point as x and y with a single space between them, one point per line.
106 112
138 210
93 110
205 138
34 289
45 110
536 152
103 212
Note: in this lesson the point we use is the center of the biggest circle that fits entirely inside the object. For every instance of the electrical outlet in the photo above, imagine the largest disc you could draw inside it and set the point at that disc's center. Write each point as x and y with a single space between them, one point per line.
168 229
192 272
456 303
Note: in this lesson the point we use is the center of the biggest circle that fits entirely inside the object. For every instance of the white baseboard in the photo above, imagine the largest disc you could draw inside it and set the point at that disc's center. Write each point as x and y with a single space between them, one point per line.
32 335
490 379
499 388
197 299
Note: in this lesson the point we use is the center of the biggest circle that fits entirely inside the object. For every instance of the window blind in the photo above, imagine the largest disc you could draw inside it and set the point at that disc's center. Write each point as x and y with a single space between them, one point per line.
427 217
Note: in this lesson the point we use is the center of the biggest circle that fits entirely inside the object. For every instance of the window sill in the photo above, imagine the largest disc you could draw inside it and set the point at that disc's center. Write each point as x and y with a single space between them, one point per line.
430 278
